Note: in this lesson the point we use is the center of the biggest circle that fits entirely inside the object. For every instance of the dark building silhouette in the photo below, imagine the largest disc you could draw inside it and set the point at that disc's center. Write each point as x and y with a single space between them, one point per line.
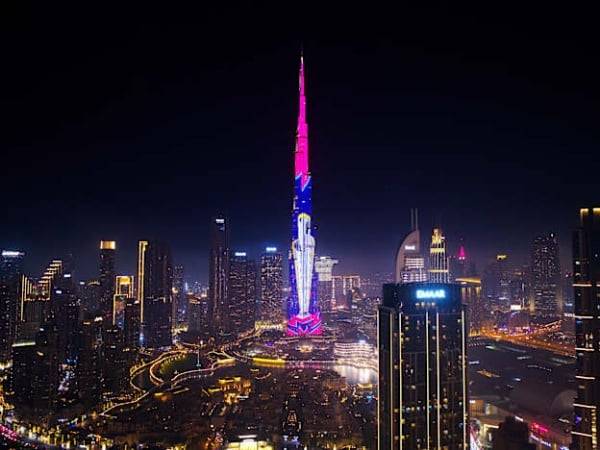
11 271
89 368
545 276
586 282
107 281
241 291
218 274
131 323
180 304
155 279
270 308
115 360
512 435
423 395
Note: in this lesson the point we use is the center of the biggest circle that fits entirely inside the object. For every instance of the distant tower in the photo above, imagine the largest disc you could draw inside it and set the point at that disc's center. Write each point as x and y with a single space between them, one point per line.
11 272
179 295
123 291
410 263
218 274
270 310
545 272
304 317
438 261
241 291
586 289
107 280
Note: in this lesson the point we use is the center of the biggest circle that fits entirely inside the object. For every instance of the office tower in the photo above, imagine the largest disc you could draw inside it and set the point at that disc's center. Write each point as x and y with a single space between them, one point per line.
198 316
438 261
11 271
218 274
324 268
34 377
90 294
89 368
472 295
123 291
343 290
115 359
155 281
131 323
304 317
270 310
496 284
179 295
410 263
107 280
241 290
64 316
545 276
512 435
586 282
458 263
54 270
423 396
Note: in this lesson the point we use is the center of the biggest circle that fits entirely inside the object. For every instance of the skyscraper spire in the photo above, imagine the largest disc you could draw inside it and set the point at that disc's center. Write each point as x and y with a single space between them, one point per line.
303 312
301 152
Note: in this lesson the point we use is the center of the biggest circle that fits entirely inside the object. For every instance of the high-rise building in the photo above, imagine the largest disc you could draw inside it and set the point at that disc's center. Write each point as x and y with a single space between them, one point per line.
155 281
423 395
180 302
586 289
304 317
131 323
438 261
89 367
410 263
324 268
107 280
472 295
124 285
344 288
270 310
115 360
11 271
496 284
458 263
218 274
64 316
545 276
241 291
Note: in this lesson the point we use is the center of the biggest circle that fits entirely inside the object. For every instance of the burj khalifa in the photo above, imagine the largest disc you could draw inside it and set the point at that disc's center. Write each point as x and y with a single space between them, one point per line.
304 317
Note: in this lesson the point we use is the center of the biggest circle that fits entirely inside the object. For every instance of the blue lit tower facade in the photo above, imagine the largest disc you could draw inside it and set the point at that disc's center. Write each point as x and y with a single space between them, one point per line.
304 317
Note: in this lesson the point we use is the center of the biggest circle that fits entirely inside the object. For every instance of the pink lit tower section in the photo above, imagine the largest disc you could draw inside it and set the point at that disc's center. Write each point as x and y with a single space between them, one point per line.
304 318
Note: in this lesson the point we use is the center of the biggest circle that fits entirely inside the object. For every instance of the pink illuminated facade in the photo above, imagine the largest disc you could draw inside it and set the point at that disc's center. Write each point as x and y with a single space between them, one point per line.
304 317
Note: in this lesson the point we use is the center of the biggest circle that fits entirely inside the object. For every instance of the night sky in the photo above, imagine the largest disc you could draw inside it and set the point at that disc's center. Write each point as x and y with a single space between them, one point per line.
128 124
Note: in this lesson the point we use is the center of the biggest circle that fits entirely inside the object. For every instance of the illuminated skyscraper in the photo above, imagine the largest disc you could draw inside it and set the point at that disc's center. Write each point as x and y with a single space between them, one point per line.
123 291
458 263
155 285
438 261
270 308
107 280
324 268
423 394
241 291
545 276
11 271
410 263
218 274
586 288
304 317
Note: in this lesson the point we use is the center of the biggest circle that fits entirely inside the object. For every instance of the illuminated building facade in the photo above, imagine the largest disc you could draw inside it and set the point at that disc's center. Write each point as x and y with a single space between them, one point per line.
423 395
344 290
241 291
438 261
324 268
471 293
107 280
11 271
155 286
270 311
218 274
545 276
304 317
410 263
586 282
124 285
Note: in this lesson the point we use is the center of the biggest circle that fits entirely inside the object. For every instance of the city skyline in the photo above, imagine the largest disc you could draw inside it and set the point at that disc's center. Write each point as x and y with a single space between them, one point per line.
161 117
